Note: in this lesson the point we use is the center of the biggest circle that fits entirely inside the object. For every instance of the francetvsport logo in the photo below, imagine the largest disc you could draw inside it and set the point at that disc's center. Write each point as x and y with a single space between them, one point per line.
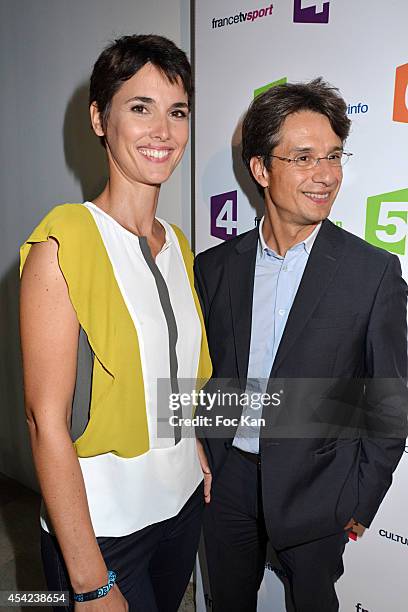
242 17
400 112
311 11
224 215
387 221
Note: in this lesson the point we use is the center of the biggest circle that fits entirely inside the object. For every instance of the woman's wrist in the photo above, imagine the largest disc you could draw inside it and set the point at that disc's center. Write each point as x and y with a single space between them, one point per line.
90 579
100 591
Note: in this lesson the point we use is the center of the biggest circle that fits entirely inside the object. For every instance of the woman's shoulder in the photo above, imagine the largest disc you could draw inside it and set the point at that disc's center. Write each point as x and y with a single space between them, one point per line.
71 225
66 215
64 221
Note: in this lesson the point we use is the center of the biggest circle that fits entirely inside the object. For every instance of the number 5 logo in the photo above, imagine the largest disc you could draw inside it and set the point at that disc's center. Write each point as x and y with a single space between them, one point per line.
387 221
224 215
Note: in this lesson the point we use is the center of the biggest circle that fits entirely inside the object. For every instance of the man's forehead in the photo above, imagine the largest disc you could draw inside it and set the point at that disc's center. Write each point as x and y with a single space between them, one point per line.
305 119
306 130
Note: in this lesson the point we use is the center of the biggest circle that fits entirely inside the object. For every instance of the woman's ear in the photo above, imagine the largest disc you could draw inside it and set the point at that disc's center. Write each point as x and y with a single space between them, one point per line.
259 172
96 119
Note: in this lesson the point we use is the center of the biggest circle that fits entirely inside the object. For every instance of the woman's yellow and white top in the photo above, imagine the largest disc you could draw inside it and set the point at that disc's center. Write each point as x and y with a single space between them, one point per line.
133 478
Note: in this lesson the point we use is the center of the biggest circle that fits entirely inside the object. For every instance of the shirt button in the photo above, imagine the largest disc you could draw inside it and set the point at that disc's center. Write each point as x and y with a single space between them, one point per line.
282 312
284 268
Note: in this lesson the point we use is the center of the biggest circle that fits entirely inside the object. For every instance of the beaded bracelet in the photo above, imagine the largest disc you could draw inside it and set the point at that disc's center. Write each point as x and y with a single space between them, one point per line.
101 592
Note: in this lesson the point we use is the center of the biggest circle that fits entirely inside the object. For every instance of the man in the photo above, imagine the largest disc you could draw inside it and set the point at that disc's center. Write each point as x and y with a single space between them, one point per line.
300 308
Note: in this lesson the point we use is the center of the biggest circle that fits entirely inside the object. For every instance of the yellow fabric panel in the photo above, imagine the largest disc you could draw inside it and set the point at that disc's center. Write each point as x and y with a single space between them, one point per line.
118 421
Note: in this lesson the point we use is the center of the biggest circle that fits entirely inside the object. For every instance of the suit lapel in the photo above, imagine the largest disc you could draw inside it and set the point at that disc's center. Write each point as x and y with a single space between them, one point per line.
321 266
241 273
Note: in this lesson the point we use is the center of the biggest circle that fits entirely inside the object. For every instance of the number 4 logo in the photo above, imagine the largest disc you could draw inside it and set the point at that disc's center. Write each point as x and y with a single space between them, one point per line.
387 221
224 215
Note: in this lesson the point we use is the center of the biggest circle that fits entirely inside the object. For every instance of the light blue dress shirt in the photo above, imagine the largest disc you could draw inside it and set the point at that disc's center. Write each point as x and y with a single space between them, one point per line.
276 282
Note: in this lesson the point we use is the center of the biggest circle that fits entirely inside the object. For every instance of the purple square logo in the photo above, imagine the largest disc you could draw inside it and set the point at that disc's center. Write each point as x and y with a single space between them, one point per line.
224 215
311 11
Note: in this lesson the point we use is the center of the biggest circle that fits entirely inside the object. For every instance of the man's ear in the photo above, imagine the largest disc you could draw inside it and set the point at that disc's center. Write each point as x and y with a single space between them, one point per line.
259 172
96 119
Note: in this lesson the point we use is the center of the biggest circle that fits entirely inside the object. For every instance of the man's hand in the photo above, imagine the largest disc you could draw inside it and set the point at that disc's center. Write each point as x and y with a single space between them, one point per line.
206 471
352 523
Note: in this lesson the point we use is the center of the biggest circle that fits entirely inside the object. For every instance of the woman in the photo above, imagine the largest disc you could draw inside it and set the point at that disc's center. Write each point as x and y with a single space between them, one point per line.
123 503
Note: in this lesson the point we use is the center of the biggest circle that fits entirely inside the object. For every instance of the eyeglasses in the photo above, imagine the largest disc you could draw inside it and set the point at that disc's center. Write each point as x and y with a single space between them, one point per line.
307 162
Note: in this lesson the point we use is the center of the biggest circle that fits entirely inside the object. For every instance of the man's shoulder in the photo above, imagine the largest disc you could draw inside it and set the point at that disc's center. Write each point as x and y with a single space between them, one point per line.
221 252
356 246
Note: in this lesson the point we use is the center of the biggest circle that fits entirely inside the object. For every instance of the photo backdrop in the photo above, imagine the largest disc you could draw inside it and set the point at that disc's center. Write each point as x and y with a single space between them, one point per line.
361 48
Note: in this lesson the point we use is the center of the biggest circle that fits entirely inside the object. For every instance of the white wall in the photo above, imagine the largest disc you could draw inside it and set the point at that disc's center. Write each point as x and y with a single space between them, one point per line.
48 153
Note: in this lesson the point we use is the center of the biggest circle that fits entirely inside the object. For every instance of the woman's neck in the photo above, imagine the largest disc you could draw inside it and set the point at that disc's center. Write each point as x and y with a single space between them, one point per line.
133 206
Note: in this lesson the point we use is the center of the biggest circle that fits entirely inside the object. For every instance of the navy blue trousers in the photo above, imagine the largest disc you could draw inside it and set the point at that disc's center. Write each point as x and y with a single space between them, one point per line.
153 565
236 545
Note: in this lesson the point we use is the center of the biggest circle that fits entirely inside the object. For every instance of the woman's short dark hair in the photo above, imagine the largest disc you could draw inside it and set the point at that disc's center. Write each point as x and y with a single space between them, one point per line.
261 128
126 56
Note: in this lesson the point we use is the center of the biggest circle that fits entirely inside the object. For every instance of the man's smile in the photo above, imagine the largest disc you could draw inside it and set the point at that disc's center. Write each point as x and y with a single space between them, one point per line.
317 197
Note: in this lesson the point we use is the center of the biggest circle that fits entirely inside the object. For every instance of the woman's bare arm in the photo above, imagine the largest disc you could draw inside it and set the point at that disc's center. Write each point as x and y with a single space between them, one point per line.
49 338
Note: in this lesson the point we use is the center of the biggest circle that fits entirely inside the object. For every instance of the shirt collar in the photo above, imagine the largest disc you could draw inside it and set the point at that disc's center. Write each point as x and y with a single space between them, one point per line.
167 238
307 242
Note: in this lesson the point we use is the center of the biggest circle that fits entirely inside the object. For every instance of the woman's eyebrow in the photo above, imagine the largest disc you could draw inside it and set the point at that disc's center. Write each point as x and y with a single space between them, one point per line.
180 105
143 99
146 100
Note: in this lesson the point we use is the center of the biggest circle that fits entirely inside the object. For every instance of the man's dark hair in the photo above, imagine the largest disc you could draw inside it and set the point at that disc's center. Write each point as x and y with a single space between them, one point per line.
126 56
261 128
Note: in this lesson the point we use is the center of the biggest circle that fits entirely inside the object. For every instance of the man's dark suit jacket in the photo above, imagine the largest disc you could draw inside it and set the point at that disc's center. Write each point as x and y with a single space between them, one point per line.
347 323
